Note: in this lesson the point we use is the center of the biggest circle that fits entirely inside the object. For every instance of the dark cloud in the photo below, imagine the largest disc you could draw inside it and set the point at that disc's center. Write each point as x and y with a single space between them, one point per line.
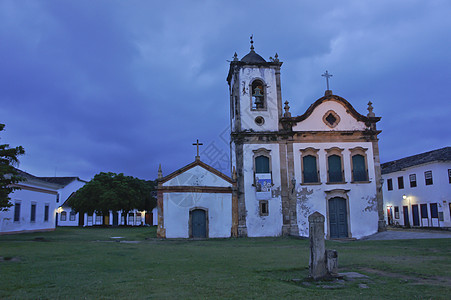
123 86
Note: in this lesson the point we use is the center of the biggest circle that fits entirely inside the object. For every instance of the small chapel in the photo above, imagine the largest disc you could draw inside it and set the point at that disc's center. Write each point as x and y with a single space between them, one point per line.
284 167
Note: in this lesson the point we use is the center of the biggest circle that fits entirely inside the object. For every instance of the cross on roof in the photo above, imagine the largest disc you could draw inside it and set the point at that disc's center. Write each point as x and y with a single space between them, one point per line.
197 144
327 75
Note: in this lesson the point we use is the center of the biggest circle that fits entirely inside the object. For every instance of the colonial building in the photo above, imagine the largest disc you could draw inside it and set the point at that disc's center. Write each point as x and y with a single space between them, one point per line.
287 167
325 160
417 189
196 202
34 206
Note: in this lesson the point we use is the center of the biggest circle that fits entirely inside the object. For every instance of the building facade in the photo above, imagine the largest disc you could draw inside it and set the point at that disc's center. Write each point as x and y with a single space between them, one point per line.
34 206
196 201
288 167
417 189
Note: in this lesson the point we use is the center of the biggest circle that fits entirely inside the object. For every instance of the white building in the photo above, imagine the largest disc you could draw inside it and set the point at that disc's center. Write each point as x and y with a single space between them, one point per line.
417 189
34 206
68 186
195 202
325 160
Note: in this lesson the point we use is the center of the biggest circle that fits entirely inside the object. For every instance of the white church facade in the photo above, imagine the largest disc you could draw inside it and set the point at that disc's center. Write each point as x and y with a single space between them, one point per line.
287 167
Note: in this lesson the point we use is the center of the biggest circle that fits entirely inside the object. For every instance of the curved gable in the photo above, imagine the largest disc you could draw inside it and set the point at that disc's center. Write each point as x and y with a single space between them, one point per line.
334 113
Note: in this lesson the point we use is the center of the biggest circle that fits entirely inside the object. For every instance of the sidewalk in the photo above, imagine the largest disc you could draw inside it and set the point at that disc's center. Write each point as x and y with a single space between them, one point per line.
405 234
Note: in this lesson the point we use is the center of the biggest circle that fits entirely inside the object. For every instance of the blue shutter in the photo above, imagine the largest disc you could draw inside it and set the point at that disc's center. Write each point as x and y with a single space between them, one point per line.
261 164
358 168
335 173
310 171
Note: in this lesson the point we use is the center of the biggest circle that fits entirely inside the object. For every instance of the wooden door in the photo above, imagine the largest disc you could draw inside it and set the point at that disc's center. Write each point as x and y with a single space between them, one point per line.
199 223
405 211
338 219
415 215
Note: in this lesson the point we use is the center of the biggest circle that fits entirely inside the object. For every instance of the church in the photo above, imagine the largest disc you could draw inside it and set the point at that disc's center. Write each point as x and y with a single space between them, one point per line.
284 167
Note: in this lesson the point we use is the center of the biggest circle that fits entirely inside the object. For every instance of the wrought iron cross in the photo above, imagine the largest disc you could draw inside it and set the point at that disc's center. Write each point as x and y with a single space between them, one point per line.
197 144
327 75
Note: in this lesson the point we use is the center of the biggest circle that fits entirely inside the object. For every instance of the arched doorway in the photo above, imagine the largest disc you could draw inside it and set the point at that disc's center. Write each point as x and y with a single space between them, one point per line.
198 223
338 219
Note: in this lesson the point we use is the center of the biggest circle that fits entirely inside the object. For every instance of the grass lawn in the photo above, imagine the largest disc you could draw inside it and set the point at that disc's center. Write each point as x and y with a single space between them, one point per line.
74 263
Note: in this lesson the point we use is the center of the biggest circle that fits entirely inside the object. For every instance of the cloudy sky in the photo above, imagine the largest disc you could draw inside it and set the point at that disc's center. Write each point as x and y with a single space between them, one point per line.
122 86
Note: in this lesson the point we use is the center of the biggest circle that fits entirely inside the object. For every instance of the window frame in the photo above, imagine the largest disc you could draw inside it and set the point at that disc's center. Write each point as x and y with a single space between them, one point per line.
33 212
261 205
449 175
359 151
46 212
72 216
400 182
251 92
396 210
257 153
310 152
426 179
17 208
390 184
339 152
63 216
413 183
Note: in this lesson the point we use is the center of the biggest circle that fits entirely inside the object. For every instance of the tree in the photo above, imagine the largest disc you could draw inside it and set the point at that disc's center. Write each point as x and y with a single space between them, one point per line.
113 192
8 174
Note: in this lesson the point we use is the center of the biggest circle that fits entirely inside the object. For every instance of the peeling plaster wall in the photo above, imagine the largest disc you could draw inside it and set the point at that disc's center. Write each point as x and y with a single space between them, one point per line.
247 75
439 192
176 207
197 176
315 121
257 225
310 198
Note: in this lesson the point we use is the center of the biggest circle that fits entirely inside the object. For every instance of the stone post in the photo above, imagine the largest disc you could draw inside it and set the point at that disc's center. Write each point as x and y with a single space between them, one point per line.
317 264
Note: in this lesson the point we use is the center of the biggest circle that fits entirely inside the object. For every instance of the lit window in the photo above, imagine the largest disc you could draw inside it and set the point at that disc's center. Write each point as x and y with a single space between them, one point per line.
428 177
400 182
413 180
390 184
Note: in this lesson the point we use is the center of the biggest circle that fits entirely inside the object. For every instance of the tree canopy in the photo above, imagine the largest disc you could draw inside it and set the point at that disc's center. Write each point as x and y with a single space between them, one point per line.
8 174
113 192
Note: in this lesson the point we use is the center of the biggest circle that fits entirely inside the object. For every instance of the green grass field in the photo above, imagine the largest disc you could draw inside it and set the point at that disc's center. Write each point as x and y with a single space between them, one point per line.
75 263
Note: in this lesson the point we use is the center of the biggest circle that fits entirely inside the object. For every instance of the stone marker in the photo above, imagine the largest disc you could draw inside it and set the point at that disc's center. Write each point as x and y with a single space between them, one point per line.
332 262
317 264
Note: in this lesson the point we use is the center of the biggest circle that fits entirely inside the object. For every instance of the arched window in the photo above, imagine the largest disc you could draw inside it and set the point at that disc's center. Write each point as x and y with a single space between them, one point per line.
309 170
358 168
258 95
261 164
63 216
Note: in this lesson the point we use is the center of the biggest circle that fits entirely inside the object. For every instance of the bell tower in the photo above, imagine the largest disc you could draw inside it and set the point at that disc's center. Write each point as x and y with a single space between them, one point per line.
255 111
255 92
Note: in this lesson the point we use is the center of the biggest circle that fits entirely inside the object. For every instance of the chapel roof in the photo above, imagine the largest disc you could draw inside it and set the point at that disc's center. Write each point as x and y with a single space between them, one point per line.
60 180
439 155
253 58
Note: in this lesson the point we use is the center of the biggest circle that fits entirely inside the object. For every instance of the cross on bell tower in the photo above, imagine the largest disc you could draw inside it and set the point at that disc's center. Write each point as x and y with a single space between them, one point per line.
197 144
